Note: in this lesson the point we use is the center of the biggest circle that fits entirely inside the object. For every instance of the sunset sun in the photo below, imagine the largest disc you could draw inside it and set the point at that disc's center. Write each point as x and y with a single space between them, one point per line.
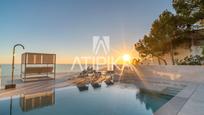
126 58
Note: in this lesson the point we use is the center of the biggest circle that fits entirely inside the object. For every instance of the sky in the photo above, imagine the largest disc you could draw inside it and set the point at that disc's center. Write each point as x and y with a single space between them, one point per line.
66 27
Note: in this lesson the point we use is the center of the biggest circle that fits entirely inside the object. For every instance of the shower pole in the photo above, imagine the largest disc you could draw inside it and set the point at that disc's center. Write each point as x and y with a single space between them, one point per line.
12 85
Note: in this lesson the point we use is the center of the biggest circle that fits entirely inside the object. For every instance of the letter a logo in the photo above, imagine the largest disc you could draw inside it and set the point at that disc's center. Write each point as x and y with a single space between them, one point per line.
101 43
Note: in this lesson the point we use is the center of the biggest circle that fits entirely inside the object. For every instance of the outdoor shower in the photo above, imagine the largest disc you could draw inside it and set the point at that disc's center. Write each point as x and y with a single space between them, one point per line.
12 85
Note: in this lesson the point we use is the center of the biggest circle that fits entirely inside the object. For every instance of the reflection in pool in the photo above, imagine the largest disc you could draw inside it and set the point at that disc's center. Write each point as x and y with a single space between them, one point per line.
37 100
117 99
152 100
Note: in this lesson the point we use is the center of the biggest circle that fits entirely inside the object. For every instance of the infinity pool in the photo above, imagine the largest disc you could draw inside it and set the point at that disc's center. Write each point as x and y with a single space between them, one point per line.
117 99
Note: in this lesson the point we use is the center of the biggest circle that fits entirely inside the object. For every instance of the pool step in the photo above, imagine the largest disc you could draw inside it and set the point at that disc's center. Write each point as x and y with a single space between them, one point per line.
171 91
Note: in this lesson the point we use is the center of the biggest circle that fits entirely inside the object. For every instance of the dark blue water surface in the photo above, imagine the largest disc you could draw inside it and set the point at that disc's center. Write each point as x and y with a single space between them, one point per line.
118 99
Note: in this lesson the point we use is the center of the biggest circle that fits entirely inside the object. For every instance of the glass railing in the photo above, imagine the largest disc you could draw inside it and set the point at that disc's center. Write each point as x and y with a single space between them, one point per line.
4 79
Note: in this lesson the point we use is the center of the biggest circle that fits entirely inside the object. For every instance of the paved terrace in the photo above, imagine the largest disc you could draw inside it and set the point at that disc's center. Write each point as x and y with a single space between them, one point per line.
62 80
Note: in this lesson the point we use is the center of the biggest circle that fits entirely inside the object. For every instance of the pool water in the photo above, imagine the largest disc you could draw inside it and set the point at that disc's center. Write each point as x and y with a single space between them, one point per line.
118 99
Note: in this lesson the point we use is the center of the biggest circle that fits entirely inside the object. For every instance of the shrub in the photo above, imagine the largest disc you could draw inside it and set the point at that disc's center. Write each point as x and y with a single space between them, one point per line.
190 60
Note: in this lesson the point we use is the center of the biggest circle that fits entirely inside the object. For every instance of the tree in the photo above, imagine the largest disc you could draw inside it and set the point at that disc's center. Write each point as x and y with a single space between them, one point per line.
188 12
161 36
145 50
164 30
170 30
191 10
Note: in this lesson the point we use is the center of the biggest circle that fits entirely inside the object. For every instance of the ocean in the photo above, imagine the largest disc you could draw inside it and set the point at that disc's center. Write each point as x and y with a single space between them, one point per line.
60 68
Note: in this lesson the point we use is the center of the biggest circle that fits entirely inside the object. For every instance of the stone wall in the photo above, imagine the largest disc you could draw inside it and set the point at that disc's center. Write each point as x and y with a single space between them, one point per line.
173 73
